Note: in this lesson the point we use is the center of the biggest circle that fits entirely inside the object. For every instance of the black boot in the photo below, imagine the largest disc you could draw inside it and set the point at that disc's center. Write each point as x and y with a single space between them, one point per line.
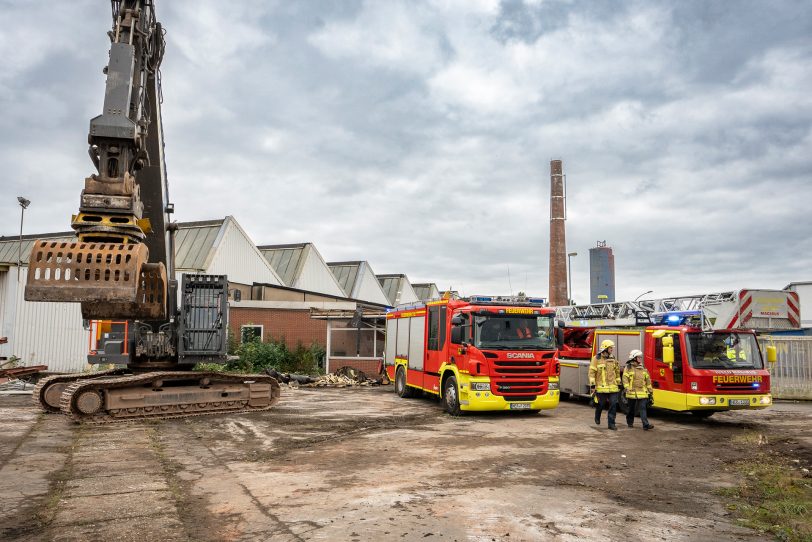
649 426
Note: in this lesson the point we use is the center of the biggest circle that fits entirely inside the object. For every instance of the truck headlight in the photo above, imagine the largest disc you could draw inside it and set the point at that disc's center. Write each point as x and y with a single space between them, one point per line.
552 386
481 386
707 400
766 400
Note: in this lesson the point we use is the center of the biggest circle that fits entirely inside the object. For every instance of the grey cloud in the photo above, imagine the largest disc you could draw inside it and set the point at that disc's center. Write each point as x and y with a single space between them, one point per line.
684 130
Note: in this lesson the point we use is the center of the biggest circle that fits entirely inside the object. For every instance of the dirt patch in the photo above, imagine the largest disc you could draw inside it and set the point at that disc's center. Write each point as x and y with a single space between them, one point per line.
363 464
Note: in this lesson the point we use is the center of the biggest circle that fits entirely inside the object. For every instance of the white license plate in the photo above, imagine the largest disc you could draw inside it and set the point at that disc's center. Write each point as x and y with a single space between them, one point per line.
739 402
519 406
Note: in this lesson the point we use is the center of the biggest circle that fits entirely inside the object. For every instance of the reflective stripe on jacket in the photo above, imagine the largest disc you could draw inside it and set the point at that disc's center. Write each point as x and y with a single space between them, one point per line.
637 382
604 374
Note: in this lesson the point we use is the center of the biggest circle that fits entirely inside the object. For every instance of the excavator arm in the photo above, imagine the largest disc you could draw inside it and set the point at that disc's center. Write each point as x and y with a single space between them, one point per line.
122 265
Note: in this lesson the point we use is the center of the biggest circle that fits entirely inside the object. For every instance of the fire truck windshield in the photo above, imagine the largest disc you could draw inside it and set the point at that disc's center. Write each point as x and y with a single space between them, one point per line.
723 351
513 332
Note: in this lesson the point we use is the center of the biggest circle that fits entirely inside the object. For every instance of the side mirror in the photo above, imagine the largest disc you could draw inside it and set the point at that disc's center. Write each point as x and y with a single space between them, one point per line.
456 335
772 354
456 320
562 324
559 337
668 350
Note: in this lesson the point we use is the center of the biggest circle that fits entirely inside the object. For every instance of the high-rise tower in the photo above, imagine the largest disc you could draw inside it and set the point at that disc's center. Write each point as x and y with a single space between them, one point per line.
601 274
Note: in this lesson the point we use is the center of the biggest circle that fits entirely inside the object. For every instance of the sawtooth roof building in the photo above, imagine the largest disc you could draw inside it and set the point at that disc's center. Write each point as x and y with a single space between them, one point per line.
279 291
52 334
301 266
426 291
398 289
358 281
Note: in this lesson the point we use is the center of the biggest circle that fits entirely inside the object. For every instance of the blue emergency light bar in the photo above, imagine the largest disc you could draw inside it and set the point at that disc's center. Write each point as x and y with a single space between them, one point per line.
507 300
677 318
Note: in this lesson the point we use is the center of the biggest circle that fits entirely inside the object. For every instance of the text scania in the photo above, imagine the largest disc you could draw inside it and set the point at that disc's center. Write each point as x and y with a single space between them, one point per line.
520 355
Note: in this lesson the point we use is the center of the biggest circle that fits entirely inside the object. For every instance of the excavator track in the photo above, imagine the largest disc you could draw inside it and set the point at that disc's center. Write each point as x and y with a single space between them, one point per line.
167 394
47 393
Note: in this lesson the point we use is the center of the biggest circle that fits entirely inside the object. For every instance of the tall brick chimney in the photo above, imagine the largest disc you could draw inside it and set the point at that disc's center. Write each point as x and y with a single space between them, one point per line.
558 243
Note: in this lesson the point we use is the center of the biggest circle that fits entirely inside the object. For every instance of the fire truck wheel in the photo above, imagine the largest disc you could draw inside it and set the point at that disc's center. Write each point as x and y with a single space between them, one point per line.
702 414
400 384
451 396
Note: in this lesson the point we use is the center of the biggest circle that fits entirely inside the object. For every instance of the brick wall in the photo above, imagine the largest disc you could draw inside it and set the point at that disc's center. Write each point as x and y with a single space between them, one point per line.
297 326
292 325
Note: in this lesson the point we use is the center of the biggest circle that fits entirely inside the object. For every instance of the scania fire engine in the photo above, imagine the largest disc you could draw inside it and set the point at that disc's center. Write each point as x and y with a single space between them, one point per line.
476 354
701 351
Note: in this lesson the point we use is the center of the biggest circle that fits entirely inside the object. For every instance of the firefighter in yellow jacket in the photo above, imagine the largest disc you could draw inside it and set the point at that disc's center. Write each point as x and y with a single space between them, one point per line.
604 379
637 387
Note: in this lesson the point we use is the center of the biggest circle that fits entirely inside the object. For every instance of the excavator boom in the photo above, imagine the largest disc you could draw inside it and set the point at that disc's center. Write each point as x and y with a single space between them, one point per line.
119 267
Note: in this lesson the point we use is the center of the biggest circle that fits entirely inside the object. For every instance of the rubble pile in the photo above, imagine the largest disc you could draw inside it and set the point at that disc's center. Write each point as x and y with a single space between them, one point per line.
342 378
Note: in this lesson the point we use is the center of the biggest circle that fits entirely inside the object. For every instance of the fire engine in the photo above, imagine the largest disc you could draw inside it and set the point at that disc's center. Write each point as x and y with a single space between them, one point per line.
701 351
476 354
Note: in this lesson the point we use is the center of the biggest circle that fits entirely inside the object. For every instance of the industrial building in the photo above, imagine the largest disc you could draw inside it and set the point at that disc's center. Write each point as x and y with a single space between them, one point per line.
300 265
426 291
398 289
601 274
358 281
52 333
278 291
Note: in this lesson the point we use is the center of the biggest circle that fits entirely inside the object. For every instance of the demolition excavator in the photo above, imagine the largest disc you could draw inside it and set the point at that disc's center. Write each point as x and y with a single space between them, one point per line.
121 269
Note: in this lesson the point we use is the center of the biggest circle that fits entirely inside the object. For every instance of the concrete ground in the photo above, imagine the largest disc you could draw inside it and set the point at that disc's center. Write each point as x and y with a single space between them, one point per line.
363 464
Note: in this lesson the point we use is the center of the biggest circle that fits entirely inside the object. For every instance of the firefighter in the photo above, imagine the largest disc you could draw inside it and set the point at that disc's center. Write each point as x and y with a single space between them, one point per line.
604 379
637 387
523 330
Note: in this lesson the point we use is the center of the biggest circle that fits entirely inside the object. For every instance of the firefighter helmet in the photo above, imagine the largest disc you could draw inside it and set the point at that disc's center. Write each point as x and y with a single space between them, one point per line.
634 354
606 343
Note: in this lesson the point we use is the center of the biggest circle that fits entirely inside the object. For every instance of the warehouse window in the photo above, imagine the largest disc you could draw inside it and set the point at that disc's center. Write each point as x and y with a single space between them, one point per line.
250 332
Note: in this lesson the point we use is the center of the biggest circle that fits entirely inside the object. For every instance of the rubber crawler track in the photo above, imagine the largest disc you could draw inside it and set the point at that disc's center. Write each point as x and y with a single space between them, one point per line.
38 395
180 410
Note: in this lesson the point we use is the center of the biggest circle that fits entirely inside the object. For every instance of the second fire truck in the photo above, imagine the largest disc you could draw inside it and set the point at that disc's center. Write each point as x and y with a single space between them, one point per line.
481 353
701 351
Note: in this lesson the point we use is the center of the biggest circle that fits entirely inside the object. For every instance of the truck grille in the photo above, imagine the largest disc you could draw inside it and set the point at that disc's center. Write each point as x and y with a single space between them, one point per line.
737 387
521 367
519 390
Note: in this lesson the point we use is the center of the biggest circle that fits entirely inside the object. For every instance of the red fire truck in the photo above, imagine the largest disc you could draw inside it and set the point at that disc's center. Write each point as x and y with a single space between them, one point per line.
701 351
480 353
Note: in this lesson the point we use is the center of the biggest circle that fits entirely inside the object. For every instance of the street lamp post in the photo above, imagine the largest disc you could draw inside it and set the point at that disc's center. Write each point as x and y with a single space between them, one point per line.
569 276
644 293
24 203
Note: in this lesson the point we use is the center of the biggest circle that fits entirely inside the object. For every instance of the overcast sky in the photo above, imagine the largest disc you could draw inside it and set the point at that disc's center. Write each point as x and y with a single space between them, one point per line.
418 135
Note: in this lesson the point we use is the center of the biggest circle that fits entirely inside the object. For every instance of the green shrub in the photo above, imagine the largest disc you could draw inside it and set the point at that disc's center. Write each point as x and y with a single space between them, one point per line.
256 356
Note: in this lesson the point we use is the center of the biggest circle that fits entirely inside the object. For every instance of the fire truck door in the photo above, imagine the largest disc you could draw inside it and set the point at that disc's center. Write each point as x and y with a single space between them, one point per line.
664 377
436 333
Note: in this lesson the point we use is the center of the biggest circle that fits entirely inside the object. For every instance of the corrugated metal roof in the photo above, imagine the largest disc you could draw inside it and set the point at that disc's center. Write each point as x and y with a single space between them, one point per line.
425 291
194 242
390 284
346 274
9 246
286 260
